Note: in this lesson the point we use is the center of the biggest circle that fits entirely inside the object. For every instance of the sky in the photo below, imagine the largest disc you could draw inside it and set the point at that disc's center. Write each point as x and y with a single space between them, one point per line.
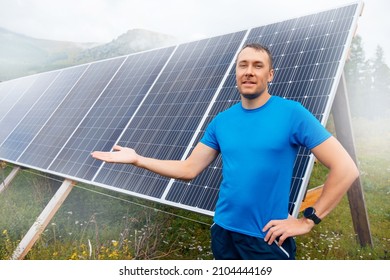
187 20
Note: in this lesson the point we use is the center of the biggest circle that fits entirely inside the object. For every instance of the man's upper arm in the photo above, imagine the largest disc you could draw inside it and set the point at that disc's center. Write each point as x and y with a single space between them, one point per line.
327 152
332 154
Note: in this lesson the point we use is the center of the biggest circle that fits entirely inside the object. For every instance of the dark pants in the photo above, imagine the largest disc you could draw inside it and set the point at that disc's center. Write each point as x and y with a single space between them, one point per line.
228 245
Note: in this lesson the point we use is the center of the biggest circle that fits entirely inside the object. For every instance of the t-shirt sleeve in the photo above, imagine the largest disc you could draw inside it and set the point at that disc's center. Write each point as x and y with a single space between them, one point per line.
307 130
209 137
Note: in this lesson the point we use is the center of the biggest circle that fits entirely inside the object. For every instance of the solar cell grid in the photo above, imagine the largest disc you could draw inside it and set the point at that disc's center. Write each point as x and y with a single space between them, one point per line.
45 146
5 89
19 109
109 116
12 91
39 114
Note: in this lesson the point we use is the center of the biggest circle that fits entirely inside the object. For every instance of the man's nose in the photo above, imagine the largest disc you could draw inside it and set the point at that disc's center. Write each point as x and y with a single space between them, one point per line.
248 74
249 71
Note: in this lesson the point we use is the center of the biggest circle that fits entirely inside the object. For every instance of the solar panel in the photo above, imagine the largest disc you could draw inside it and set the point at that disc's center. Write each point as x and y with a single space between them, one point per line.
23 104
40 113
109 116
53 136
160 102
11 92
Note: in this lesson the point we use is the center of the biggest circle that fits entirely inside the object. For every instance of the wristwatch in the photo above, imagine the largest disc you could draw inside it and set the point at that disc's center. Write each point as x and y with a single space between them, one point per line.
310 213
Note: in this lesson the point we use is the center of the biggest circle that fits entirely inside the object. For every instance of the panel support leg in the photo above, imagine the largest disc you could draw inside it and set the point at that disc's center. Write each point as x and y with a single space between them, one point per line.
344 132
43 220
10 177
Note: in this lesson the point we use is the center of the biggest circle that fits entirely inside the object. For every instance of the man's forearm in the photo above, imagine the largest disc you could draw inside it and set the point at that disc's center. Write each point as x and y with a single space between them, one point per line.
168 168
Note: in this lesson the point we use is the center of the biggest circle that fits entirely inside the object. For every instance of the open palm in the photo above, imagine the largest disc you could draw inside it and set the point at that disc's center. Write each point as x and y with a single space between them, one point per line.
118 155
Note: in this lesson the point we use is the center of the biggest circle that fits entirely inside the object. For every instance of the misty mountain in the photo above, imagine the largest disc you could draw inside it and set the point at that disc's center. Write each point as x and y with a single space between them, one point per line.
21 55
132 41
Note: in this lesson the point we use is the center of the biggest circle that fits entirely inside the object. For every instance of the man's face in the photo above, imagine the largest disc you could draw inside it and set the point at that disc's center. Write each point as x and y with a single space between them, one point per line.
253 72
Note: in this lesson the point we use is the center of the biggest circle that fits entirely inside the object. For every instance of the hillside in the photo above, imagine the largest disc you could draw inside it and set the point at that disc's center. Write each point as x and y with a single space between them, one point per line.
132 41
22 55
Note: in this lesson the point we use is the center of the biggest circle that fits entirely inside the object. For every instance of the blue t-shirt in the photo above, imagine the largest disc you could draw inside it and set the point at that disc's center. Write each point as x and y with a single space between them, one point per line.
258 149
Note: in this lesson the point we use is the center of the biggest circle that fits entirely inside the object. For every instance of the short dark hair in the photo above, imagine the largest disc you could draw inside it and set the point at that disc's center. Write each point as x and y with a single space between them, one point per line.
260 47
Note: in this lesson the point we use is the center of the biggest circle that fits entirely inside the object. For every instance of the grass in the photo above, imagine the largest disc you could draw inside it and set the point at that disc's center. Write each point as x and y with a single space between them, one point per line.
98 224
95 223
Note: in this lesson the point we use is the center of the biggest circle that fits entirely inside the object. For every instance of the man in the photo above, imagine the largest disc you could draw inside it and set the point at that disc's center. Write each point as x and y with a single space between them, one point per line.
258 139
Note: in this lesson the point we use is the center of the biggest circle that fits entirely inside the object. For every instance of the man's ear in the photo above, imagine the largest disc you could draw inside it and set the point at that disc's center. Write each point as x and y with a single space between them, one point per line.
271 75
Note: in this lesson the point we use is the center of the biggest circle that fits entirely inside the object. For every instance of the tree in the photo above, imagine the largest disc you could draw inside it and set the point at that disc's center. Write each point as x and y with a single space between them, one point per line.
357 76
377 105
380 72
368 82
356 70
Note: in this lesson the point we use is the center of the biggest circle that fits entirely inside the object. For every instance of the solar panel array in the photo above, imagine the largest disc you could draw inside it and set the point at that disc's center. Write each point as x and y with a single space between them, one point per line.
159 102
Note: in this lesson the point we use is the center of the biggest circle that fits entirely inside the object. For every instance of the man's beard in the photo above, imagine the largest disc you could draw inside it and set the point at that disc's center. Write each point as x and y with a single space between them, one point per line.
252 96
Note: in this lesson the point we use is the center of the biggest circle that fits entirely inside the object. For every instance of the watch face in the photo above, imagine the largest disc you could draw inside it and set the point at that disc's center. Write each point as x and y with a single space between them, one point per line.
309 212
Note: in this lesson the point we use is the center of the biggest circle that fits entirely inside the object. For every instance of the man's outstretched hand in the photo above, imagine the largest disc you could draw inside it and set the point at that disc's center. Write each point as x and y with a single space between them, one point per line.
118 155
